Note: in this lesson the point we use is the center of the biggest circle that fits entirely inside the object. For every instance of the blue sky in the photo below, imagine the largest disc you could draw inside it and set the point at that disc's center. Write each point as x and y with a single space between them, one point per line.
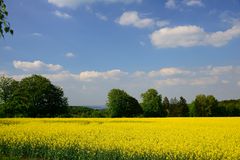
179 47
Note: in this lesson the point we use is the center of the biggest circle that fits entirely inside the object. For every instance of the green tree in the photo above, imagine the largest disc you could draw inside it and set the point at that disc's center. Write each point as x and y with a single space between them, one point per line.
166 107
212 105
152 103
182 104
192 110
36 96
174 110
120 104
200 103
228 108
7 88
4 24
205 105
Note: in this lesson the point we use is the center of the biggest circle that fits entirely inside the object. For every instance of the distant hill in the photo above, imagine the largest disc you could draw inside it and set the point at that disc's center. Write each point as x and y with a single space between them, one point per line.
98 106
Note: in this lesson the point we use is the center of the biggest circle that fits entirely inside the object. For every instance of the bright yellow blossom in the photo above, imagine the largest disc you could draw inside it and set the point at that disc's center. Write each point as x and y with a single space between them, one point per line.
124 138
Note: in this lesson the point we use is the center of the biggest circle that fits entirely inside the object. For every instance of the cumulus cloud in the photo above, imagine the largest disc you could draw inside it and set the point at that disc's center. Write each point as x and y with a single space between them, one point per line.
75 3
35 66
204 81
132 18
69 55
220 70
189 36
62 76
201 81
197 3
171 4
171 81
62 14
138 74
168 72
112 74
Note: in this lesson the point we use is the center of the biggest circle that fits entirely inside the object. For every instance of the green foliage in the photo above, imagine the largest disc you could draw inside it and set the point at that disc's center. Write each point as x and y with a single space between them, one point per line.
178 108
183 107
205 106
4 24
120 104
166 107
81 111
33 96
228 108
7 87
192 111
152 103
41 97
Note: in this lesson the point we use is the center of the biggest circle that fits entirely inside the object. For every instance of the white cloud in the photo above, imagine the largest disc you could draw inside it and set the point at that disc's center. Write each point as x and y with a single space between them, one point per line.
168 72
62 76
180 36
101 17
204 81
220 70
162 23
171 4
189 36
139 74
8 48
2 72
75 3
171 82
112 74
62 14
37 34
230 17
35 66
197 3
82 87
221 38
201 81
132 18
69 55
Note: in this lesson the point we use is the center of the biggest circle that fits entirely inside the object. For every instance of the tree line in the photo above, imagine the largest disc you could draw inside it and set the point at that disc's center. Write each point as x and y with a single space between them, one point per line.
36 96
121 104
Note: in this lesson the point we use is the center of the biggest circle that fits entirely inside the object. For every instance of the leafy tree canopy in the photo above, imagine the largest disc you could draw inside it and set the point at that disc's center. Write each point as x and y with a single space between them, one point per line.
152 103
33 96
121 104
4 24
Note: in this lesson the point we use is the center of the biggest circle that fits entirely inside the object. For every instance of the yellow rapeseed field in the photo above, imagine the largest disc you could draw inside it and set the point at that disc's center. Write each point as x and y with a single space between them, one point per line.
121 138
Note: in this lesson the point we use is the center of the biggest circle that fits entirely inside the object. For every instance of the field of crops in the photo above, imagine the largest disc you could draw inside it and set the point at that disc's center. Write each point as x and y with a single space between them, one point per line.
137 138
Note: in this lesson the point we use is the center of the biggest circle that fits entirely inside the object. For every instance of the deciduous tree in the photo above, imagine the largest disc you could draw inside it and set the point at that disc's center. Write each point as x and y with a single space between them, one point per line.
120 104
152 103
4 24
